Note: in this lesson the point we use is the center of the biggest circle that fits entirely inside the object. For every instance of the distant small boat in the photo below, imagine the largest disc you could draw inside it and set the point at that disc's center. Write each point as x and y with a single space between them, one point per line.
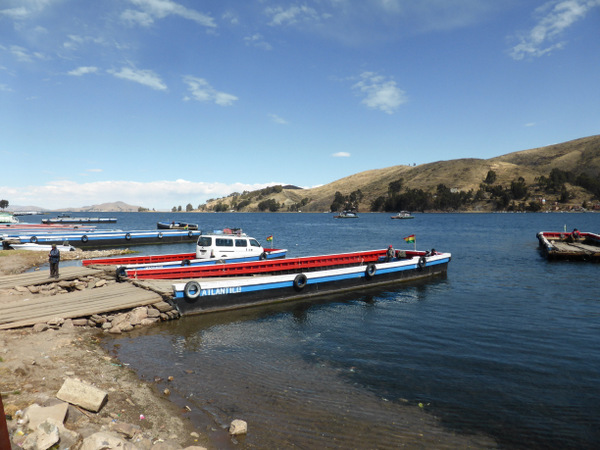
346 215
403 215
176 226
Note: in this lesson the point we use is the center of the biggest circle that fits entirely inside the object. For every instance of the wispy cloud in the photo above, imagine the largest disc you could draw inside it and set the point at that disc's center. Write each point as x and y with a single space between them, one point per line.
144 77
379 92
554 18
83 71
280 120
257 40
341 155
149 10
291 15
202 91
24 55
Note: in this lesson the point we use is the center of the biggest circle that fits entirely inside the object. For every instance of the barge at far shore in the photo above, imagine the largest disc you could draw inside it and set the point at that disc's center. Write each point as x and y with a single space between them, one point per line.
100 239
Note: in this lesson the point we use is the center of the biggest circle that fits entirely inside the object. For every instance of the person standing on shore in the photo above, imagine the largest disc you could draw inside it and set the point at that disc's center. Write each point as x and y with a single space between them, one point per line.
53 259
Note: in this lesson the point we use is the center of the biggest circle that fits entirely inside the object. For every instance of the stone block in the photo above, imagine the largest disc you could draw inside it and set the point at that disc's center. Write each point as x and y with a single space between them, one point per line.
37 414
82 394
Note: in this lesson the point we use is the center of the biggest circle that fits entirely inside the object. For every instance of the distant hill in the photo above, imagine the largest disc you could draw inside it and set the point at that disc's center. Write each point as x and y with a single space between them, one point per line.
104 207
529 169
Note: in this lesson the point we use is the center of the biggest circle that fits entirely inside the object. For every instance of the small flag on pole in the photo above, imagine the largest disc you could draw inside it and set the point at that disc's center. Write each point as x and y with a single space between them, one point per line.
270 238
410 239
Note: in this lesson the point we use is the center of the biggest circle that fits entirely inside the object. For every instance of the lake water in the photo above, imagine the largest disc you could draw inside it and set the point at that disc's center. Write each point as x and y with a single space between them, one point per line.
503 352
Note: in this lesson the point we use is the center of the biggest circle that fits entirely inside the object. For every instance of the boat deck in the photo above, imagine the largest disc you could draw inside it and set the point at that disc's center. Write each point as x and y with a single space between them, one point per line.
575 248
22 311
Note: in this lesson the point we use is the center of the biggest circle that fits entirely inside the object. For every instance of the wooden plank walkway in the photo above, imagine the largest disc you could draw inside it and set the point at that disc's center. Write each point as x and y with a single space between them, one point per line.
40 308
42 276
27 310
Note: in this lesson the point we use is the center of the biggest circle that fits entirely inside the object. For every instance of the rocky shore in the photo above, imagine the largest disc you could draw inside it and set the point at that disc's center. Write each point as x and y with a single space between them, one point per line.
60 389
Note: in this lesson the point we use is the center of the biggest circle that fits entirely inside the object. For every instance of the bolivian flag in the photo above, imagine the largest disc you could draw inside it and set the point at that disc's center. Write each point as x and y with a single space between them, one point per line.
270 238
410 239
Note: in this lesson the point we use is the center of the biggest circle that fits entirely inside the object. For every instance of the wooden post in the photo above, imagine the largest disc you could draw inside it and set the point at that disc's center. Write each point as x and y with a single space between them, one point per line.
4 439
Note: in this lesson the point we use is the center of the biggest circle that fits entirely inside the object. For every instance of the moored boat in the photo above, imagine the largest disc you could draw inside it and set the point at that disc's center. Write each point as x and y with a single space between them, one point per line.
176 226
104 238
41 247
574 246
67 219
211 294
403 215
6 217
346 215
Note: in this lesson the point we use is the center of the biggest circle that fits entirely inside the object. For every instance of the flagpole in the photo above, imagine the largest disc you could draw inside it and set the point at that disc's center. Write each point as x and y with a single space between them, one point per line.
415 243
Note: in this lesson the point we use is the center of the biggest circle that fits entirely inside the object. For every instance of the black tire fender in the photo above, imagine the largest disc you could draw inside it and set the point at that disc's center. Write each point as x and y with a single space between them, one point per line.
300 281
33 239
263 256
191 290
160 235
84 238
370 270
185 262
190 234
422 262
128 236
121 273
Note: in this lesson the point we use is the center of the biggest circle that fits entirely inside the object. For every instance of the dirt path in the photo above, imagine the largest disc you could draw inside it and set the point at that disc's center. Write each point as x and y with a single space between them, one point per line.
33 367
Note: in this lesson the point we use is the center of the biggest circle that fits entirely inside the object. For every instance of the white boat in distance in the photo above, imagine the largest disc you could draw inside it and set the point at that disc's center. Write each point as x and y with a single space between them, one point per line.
403 215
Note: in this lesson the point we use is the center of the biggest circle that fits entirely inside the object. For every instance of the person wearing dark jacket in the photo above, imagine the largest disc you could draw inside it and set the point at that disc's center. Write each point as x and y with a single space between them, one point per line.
53 259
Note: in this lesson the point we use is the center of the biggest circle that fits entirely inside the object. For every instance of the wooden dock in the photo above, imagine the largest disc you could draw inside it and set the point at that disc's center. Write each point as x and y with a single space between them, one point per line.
27 310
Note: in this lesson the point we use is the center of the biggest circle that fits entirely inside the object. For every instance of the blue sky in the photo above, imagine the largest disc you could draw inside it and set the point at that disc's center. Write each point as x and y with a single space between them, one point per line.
161 103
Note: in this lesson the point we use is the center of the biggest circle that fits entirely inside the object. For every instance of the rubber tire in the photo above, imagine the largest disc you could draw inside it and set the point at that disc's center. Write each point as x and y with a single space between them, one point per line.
160 235
84 238
191 290
370 270
262 256
422 262
300 282
128 236
185 262
121 274
33 239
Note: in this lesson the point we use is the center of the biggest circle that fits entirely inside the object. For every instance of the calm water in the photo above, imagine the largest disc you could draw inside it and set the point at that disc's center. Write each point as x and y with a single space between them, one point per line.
503 352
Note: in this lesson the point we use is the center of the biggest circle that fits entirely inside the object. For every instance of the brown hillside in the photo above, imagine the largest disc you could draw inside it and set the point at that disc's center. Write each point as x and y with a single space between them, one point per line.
577 156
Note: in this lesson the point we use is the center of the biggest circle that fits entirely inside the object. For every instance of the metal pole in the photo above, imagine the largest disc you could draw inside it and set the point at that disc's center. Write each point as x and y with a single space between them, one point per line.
4 439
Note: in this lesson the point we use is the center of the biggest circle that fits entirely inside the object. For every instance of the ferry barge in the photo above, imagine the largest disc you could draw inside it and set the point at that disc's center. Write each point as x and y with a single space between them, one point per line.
574 246
220 293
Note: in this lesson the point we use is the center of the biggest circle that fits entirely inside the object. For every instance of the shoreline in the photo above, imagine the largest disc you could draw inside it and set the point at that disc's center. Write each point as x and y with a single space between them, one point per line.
34 365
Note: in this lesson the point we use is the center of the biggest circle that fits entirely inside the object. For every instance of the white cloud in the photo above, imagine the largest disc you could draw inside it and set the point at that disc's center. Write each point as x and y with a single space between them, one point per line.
554 18
5 88
155 194
256 40
83 71
202 91
159 9
24 55
380 93
280 120
145 77
291 15
341 155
